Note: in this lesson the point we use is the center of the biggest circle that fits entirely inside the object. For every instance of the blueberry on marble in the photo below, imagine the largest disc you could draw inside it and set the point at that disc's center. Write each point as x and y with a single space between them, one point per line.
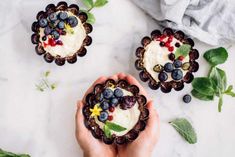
60 25
168 67
118 92
177 74
113 101
63 15
103 116
107 93
43 22
53 17
187 98
55 34
104 105
177 63
47 30
162 76
72 20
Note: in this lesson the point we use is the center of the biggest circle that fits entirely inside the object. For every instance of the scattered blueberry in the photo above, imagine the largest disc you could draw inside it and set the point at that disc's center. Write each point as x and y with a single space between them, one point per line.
72 20
162 76
114 101
44 38
103 116
162 44
168 67
171 56
53 17
60 25
118 92
187 98
104 105
47 30
55 34
63 15
107 93
177 74
177 63
43 22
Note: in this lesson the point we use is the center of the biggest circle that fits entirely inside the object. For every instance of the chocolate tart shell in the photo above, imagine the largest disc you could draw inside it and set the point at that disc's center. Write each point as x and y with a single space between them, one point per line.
96 131
61 6
166 87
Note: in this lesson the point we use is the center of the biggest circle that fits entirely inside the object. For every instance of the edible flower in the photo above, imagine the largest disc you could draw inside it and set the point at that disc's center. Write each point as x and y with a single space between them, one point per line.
69 29
95 111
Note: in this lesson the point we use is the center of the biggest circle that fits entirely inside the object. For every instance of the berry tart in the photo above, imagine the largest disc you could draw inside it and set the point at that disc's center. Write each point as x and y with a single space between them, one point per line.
167 60
60 33
115 112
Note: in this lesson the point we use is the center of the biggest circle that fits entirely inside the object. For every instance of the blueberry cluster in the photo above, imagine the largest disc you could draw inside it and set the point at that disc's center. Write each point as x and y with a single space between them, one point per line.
55 24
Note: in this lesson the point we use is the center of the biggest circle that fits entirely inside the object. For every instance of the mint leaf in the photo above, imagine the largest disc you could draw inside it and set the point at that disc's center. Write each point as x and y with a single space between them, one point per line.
88 3
185 129
114 127
100 3
203 85
229 91
218 76
91 17
200 96
107 131
216 56
220 103
9 154
183 50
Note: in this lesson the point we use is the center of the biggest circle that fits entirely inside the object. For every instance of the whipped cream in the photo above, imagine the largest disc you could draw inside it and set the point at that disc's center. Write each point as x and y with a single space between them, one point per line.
125 118
155 54
71 42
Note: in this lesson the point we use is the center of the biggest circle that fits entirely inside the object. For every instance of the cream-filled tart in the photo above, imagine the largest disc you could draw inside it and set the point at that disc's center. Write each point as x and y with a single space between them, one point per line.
61 33
115 112
167 59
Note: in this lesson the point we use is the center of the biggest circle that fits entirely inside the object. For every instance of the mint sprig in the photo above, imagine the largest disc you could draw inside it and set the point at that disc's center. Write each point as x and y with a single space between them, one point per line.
112 126
10 154
183 50
90 4
185 129
215 84
44 83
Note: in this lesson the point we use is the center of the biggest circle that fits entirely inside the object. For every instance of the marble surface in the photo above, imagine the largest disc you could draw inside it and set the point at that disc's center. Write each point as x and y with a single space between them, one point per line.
42 123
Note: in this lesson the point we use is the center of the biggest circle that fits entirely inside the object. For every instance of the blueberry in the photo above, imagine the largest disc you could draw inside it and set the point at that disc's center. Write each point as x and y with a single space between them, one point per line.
43 22
177 63
113 101
63 15
162 76
53 17
60 25
72 20
47 30
177 74
177 44
44 38
127 102
104 105
55 34
103 116
118 92
107 93
171 56
162 44
168 67
187 98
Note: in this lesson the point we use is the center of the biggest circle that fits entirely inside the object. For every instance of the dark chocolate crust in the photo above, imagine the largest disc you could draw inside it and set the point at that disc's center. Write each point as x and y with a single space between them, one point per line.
96 131
166 87
61 6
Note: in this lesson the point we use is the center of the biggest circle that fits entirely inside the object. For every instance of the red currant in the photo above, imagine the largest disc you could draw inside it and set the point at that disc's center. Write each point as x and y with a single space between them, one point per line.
111 109
171 48
180 58
110 117
167 44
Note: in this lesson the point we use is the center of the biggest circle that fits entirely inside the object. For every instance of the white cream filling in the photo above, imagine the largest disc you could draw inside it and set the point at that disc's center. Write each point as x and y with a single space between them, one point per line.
71 42
155 54
125 118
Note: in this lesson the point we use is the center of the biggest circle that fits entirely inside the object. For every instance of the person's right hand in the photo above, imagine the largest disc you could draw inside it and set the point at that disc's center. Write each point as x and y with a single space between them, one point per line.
144 144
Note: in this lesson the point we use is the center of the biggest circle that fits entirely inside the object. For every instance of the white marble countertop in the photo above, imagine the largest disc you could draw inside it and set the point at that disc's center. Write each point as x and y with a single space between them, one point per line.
42 123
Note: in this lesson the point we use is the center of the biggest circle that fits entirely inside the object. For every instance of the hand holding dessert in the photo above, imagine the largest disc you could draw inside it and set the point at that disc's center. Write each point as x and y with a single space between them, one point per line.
141 146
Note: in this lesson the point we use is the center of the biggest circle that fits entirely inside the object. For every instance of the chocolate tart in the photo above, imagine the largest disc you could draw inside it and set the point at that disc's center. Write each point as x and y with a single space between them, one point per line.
161 66
128 111
61 33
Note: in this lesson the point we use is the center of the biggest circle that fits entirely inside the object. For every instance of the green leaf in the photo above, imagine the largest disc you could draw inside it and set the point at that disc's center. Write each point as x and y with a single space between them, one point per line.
91 17
100 3
218 76
203 85
183 50
47 73
107 131
114 127
216 56
220 103
88 3
185 129
229 91
9 154
200 96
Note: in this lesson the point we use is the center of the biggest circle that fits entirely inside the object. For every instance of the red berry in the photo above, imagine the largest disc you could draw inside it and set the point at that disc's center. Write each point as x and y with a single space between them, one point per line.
167 44
110 117
171 48
111 109
170 39
162 37
180 58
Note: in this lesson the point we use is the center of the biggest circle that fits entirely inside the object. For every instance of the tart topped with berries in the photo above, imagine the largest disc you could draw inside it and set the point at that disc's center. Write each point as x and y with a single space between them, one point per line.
115 112
167 60
60 33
